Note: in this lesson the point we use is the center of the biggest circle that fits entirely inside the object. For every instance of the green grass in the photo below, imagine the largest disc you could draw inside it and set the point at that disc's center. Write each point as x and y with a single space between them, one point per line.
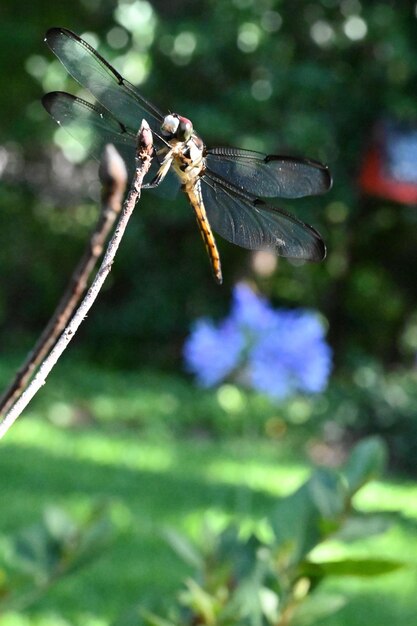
151 481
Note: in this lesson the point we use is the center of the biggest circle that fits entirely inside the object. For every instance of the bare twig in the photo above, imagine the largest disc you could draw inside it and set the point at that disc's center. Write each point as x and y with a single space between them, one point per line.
113 176
142 167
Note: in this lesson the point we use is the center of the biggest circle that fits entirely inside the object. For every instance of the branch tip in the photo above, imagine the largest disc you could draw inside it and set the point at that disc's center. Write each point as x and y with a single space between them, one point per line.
112 169
58 321
145 139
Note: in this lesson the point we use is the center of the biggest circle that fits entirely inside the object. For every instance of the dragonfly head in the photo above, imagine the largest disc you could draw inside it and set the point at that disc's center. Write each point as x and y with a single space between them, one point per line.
177 127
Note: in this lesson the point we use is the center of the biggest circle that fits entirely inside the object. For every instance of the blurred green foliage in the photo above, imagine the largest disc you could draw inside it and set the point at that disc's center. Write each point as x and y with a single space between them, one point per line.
37 557
275 579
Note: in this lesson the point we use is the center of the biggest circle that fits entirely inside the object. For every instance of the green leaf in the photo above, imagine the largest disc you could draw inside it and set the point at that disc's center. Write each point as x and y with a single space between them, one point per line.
366 462
58 525
350 567
242 554
205 605
57 545
184 548
155 620
246 602
33 553
295 521
251 600
366 525
316 607
328 491
269 601
93 537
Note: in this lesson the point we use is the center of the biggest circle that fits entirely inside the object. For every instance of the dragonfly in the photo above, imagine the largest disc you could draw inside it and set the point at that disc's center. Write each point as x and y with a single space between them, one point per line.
225 186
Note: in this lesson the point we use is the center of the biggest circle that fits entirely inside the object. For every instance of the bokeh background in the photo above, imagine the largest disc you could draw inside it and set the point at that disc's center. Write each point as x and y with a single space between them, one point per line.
334 80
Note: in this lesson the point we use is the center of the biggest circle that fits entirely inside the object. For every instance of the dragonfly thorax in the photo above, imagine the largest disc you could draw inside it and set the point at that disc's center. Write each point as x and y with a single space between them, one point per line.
176 127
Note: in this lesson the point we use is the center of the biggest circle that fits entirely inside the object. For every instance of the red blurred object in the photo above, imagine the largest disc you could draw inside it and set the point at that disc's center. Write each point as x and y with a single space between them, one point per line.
389 169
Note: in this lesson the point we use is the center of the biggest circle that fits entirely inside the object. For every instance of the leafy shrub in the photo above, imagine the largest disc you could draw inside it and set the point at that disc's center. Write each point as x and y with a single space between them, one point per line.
35 558
275 579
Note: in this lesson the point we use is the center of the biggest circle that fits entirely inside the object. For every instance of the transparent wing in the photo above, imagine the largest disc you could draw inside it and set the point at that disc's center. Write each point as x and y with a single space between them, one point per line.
93 127
250 223
109 88
269 176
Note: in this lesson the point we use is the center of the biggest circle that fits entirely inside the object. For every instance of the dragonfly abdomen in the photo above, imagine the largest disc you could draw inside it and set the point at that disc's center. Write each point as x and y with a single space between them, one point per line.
193 192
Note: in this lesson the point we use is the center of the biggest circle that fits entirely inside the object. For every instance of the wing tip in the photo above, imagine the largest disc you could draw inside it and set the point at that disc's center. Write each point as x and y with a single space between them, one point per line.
53 31
315 253
321 250
48 99
328 177
326 181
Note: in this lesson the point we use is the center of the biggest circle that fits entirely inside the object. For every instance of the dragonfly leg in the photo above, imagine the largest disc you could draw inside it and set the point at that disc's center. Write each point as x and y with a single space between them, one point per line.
162 172
154 183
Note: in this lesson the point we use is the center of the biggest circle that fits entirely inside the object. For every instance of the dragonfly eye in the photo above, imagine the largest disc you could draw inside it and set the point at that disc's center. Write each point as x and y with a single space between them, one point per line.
170 125
185 129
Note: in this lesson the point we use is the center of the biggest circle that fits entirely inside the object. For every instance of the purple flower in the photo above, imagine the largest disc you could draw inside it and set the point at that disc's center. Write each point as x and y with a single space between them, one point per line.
292 357
212 353
250 311
278 353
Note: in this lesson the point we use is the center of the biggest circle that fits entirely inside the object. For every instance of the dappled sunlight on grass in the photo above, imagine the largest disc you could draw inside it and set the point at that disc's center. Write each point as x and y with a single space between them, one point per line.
96 446
255 466
49 618
278 480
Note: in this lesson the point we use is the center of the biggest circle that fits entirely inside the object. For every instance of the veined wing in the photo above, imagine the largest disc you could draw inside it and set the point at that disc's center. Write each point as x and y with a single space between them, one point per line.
250 223
109 88
93 127
269 176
